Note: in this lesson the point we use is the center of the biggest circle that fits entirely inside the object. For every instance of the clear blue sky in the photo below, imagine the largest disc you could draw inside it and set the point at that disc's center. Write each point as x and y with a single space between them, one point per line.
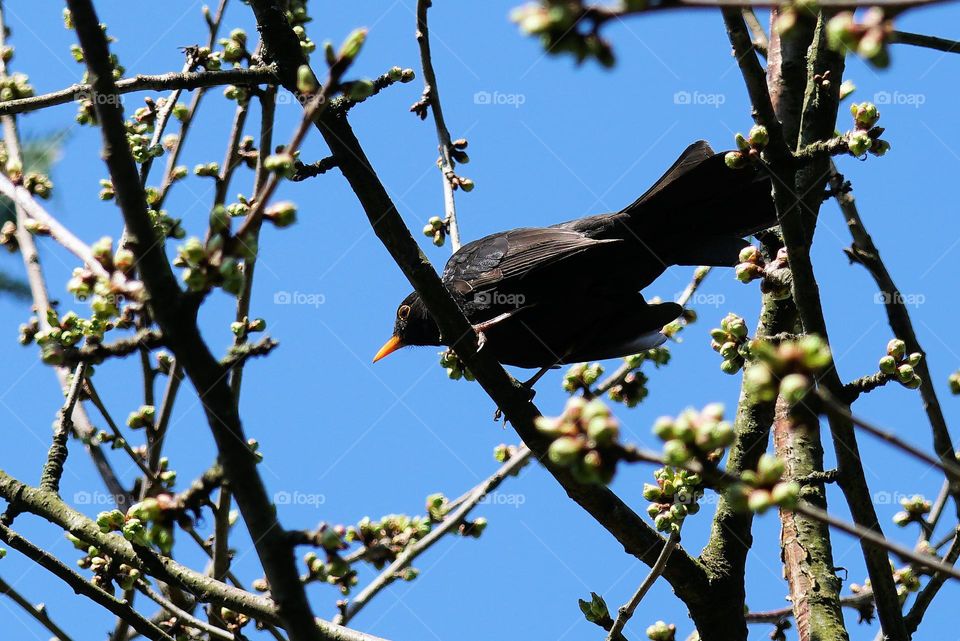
563 142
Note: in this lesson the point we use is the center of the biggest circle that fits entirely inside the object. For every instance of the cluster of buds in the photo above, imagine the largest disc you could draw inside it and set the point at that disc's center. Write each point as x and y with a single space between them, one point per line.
139 133
865 136
596 611
868 38
307 46
791 15
693 435
631 390
788 368
142 418
503 453
673 497
63 333
760 489
749 147
915 509
235 620
387 538
209 265
585 440
730 341
558 24
282 164
898 365
105 571
166 226
239 94
334 569
205 58
234 47
776 279
296 11
457 151
149 522
905 578
436 228
660 356
281 214
207 170
581 377
456 369
241 329
38 184
662 631
15 86
8 235
954 382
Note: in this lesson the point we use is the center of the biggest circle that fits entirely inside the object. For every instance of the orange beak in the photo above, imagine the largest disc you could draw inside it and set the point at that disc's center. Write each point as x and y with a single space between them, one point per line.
389 347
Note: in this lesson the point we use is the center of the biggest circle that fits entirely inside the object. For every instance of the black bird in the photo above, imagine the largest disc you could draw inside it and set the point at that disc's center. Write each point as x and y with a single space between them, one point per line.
545 296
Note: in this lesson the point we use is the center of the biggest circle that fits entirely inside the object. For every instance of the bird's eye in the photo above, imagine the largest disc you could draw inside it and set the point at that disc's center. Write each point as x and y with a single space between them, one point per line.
403 312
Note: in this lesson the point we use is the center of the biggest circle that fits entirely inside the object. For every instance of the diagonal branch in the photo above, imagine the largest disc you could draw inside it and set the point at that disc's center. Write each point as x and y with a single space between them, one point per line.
177 319
639 539
82 586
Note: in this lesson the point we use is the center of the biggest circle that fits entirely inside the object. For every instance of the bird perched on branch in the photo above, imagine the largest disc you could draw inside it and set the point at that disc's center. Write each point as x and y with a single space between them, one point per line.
545 296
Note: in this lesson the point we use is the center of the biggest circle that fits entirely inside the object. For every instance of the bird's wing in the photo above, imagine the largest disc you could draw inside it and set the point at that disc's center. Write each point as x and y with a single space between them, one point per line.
504 259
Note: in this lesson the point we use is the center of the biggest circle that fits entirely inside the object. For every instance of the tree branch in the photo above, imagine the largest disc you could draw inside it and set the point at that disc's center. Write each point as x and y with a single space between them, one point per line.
626 611
82 586
639 539
431 96
178 323
172 80
450 521
38 612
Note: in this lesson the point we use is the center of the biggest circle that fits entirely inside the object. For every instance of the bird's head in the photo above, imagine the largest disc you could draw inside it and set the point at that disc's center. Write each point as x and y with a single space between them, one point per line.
413 326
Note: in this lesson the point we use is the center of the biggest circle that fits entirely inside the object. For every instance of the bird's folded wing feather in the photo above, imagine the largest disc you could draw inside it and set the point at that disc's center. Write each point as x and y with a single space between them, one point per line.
502 260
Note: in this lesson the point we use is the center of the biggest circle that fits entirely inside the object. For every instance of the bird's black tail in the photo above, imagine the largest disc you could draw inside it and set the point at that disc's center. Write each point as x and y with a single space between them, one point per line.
700 210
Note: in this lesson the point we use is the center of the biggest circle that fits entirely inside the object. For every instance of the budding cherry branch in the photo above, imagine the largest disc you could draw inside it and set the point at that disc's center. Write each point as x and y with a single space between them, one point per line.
138 302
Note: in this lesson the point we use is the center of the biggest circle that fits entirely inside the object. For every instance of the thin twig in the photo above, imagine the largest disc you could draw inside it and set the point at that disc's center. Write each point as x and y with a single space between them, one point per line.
431 95
626 610
57 456
871 538
38 612
185 617
161 82
832 406
25 200
914 617
450 521
928 42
